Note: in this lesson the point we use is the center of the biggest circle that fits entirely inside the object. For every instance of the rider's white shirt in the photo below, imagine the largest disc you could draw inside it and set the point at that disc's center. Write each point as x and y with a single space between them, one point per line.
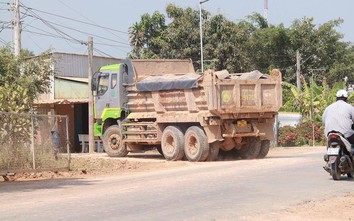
339 117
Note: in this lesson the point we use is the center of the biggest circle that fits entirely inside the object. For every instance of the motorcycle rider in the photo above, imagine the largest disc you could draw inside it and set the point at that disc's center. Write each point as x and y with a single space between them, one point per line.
339 116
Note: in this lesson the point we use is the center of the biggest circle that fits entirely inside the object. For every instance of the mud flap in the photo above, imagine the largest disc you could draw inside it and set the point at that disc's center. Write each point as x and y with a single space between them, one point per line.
332 159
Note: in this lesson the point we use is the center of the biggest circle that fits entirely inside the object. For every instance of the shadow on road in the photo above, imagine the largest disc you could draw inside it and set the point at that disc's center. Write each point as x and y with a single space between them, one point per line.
27 186
145 156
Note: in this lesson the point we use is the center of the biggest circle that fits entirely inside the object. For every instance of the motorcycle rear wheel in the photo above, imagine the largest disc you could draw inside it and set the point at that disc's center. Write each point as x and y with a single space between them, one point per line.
335 170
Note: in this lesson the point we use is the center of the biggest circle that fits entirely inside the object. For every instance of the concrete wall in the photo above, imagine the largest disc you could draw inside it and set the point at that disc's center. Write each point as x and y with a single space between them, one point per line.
289 119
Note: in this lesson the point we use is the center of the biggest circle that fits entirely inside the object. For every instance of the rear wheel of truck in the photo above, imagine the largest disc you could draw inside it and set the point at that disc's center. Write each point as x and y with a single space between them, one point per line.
252 149
172 143
113 143
213 151
264 149
196 146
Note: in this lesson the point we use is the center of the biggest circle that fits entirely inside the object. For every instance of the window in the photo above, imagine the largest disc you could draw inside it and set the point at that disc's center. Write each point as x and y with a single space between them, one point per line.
113 81
103 84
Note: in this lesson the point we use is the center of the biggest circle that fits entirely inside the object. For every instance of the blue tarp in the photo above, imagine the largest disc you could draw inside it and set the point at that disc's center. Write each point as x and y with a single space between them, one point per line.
168 82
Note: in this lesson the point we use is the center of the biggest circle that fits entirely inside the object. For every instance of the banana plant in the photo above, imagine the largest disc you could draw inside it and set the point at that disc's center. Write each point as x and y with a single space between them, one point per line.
312 99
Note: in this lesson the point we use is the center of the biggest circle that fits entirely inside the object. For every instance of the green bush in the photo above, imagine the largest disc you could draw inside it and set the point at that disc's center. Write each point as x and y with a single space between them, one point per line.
301 135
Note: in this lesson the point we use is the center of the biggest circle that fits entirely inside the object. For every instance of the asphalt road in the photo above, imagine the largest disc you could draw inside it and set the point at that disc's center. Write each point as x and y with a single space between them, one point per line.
230 190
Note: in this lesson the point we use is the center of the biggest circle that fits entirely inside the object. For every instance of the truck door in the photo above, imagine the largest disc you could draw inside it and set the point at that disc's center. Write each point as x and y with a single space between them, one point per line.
107 92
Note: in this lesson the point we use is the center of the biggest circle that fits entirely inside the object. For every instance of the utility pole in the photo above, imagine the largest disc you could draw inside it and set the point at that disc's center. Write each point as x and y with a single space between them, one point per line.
90 117
201 34
201 37
266 10
298 67
17 28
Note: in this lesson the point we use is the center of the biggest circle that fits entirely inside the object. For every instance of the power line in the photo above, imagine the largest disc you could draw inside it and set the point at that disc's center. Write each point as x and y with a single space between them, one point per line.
71 19
34 42
61 33
73 29
5 43
49 34
97 36
95 24
4 26
103 53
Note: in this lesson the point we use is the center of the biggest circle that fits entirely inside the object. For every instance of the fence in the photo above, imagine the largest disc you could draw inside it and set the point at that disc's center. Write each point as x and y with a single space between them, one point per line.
33 142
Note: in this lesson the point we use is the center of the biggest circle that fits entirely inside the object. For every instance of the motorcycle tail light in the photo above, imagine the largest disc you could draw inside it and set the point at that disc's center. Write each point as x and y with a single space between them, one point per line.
333 136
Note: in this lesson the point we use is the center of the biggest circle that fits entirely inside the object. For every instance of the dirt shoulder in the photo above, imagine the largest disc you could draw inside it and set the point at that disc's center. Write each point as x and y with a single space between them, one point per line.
100 164
85 165
337 208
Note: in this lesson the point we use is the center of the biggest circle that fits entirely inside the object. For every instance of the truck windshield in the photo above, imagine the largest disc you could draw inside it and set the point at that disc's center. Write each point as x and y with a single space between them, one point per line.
103 83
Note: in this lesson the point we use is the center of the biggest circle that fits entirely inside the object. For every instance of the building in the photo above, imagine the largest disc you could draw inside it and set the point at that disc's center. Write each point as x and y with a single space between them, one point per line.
69 91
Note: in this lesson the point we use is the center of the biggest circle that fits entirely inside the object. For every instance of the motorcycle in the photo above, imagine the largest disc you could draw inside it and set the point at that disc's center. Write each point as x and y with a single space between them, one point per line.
339 156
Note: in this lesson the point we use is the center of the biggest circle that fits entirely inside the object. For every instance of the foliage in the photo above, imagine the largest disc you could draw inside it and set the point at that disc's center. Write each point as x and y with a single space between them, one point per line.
312 99
248 44
301 135
146 37
17 157
21 81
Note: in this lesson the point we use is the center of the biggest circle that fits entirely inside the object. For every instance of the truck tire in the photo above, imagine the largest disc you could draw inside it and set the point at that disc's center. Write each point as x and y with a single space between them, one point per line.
112 142
251 150
196 146
264 149
172 143
213 151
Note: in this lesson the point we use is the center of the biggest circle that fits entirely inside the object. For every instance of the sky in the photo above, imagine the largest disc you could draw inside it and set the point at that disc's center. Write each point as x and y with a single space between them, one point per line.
64 25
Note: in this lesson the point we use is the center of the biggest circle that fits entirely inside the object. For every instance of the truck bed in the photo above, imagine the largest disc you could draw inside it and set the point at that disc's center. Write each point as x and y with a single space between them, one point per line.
219 93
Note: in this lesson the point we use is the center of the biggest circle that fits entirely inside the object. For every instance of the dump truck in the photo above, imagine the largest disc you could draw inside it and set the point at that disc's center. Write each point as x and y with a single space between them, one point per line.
165 104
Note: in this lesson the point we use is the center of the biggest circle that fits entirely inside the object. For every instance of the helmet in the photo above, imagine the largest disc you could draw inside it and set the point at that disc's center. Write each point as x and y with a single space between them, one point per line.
342 93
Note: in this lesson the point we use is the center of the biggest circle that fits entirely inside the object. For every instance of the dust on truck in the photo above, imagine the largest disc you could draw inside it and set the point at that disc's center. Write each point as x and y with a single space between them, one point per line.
164 104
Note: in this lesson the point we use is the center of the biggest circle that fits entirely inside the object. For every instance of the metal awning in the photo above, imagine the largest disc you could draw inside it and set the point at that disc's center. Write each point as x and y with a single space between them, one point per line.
82 80
62 101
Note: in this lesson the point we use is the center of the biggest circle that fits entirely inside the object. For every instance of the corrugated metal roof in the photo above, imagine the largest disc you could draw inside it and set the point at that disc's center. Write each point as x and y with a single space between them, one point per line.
62 101
83 80
75 65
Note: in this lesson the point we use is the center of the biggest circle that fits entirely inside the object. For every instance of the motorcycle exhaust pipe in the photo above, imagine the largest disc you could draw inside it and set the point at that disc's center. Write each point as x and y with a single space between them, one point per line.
345 163
343 159
349 162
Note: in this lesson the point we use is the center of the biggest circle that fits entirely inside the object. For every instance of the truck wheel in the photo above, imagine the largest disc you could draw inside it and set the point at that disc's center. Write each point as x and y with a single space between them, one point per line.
113 143
172 143
213 151
251 150
196 146
264 149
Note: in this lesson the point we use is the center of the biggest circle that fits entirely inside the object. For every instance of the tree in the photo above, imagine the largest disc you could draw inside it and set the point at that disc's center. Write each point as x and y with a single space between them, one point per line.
21 81
321 47
182 36
312 99
224 44
147 36
248 44
152 38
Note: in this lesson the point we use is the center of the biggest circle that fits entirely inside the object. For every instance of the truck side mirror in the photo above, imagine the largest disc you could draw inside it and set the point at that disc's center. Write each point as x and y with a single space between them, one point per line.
125 67
94 82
